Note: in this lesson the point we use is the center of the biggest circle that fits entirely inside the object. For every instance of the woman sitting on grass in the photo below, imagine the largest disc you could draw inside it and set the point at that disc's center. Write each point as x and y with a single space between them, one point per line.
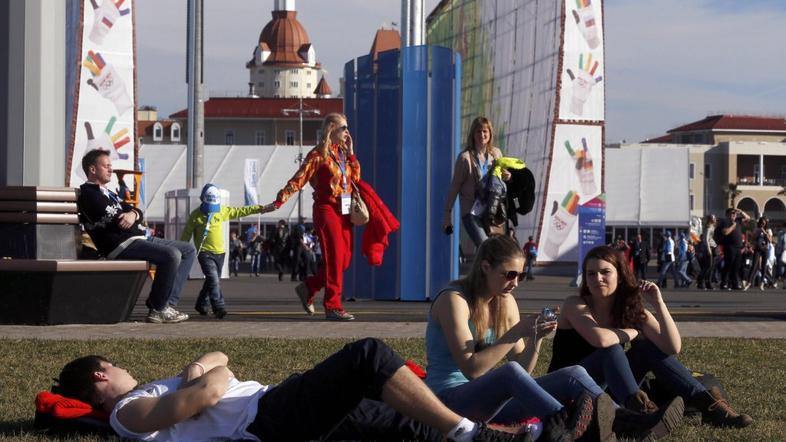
609 312
474 323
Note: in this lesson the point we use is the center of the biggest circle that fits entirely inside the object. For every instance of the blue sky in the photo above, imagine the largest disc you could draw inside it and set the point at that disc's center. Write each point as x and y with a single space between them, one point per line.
668 62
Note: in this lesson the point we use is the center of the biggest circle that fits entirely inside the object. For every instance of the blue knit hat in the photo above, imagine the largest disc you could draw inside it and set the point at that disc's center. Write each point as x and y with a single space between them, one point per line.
211 199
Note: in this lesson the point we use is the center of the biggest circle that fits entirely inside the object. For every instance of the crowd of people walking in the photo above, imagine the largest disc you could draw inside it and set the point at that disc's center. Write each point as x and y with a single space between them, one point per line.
734 253
297 254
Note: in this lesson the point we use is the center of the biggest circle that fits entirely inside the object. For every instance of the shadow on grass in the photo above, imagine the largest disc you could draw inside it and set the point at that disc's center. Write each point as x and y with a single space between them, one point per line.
16 428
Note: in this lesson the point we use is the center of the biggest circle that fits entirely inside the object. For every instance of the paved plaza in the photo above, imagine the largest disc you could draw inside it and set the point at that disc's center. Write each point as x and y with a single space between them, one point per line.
264 307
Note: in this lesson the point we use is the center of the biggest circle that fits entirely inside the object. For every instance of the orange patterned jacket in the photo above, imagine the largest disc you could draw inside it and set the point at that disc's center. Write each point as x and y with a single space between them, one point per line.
324 175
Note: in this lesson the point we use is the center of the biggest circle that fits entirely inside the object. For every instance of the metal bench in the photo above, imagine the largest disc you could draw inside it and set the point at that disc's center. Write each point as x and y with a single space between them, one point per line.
41 279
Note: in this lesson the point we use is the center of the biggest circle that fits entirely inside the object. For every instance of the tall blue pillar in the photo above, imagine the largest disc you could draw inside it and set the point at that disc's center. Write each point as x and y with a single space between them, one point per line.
404 113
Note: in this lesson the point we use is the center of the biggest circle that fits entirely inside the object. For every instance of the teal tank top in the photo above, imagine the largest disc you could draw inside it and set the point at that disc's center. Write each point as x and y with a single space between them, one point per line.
442 371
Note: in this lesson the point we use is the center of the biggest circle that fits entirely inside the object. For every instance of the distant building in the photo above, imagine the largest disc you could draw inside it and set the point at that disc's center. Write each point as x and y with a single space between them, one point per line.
740 153
263 121
284 61
385 40
151 130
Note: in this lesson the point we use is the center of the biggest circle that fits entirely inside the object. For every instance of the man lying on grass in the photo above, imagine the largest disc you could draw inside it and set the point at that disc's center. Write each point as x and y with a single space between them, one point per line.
206 402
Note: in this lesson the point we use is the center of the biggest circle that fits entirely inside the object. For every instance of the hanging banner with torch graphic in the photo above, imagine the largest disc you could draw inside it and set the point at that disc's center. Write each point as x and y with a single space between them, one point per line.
582 87
575 179
105 94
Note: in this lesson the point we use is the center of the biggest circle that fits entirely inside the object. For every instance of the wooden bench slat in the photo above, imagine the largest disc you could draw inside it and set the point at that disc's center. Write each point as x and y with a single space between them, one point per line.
67 265
30 193
38 218
38 206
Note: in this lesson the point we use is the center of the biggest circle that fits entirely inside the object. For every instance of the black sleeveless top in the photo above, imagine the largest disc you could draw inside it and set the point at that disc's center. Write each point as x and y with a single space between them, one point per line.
569 348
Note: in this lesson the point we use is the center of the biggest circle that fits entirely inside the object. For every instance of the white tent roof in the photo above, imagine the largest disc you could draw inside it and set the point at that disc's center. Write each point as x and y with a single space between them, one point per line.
165 170
647 186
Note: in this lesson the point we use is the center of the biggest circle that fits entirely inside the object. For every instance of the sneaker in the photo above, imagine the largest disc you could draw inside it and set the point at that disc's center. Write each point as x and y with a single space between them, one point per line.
486 434
202 310
581 415
219 312
715 410
166 316
648 426
302 294
338 315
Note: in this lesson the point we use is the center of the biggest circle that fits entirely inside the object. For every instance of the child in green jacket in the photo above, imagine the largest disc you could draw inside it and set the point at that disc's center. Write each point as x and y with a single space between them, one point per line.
206 225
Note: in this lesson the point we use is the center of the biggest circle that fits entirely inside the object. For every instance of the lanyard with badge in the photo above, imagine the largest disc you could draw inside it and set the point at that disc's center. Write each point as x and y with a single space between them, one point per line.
345 202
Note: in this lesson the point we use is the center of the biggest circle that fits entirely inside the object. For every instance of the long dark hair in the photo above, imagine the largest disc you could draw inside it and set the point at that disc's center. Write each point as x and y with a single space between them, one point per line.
495 251
627 311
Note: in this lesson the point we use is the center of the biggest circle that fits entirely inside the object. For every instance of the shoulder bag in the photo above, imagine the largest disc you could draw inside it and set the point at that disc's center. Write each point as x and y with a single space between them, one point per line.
358 213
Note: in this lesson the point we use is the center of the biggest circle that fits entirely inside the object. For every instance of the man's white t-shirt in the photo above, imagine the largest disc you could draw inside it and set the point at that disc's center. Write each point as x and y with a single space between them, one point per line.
226 420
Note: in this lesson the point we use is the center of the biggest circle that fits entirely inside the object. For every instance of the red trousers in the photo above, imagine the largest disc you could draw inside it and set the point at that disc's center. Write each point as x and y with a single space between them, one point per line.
335 237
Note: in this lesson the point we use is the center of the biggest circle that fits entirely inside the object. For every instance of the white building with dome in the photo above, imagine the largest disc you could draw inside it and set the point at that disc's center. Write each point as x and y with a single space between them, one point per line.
284 63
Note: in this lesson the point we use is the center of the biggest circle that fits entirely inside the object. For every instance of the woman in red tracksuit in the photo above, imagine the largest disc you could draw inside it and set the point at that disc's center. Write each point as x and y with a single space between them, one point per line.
330 168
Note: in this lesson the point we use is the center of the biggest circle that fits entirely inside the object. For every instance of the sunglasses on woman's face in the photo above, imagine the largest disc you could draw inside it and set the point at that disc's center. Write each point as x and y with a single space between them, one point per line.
343 128
510 275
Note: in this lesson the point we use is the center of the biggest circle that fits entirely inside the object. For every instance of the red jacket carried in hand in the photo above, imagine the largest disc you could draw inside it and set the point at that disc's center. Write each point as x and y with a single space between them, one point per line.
381 223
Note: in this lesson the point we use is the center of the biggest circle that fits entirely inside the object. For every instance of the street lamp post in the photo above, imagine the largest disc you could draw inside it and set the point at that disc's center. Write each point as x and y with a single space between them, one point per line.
300 111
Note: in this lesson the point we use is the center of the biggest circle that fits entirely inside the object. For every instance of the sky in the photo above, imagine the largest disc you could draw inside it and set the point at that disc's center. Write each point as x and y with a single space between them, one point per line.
668 62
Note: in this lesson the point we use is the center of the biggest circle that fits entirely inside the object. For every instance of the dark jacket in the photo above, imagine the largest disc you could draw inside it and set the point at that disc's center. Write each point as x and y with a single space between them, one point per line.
521 193
98 213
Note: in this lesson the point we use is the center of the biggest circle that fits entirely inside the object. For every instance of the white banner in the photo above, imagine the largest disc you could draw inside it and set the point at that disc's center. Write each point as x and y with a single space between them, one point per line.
106 94
575 178
582 87
250 180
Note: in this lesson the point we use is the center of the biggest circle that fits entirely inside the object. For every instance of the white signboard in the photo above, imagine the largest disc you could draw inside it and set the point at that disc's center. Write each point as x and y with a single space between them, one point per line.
575 178
105 102
581 92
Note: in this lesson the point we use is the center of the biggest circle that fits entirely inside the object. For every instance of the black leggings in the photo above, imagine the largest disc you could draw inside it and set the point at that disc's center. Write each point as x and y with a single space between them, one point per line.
308 406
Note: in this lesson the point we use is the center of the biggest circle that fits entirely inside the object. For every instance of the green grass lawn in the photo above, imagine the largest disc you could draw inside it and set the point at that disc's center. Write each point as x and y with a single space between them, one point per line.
753 372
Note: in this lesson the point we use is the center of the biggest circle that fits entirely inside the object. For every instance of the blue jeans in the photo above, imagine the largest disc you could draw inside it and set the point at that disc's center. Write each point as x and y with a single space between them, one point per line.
683 271
669 266
623 371
211 264
173 260
474 228
255 263
508 393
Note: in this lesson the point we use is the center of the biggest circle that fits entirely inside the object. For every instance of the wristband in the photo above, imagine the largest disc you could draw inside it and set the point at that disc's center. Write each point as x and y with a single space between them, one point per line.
200 366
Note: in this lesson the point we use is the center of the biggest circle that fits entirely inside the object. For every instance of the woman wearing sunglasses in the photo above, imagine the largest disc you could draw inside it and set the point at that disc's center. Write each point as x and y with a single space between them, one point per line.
331 167
474 323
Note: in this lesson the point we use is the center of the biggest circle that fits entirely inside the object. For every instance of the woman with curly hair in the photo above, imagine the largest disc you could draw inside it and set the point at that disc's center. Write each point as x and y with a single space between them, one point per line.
608 313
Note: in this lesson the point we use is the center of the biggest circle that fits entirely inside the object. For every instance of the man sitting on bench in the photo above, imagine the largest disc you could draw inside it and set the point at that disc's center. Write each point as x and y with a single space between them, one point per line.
114 226
206 402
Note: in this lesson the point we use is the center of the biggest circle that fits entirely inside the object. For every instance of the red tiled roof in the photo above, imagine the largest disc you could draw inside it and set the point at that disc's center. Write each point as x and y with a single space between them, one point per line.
734 122
322 87
246 107
385 40
661 139
145 127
